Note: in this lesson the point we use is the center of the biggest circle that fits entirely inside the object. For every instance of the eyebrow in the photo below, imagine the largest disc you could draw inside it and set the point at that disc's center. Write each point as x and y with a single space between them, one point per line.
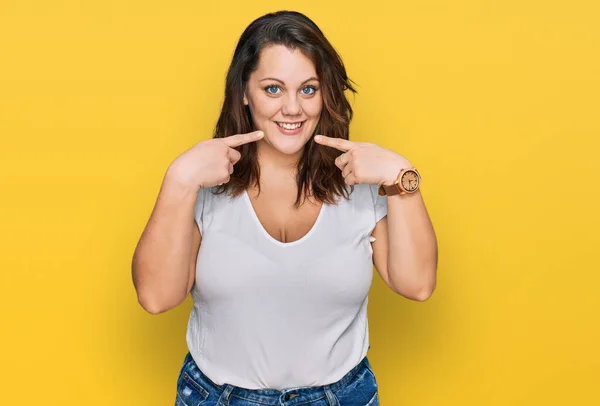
282 82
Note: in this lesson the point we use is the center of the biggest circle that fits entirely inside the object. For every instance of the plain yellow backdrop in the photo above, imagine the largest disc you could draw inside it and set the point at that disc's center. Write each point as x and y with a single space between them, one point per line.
496 103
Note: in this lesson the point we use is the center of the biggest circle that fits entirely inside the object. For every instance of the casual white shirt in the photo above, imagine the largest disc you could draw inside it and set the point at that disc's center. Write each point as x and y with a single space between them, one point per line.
268 314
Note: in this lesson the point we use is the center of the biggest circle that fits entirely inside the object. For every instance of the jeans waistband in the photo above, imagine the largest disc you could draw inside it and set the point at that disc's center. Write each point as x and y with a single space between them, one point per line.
274 396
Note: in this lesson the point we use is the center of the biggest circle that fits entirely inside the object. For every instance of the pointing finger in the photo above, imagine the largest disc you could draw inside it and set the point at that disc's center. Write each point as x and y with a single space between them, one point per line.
241 139
337 143
234 156
341 161
346 171
350 179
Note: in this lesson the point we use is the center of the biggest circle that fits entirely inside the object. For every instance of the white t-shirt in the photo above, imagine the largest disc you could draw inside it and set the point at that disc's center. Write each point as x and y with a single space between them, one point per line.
277 315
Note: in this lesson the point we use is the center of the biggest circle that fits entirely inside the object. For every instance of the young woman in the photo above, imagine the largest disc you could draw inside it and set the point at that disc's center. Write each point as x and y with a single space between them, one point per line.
274 225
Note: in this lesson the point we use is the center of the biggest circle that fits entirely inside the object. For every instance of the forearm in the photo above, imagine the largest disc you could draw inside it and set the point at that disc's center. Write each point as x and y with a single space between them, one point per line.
412 253
160 265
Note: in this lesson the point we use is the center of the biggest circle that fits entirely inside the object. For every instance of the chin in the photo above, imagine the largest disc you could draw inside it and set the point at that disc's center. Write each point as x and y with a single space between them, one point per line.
287 145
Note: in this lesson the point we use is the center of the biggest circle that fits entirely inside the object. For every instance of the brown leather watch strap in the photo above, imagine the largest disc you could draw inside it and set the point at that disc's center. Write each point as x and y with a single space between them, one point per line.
389 190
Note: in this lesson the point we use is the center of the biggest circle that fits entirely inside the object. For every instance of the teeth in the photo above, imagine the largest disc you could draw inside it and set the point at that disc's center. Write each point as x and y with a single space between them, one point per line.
289 126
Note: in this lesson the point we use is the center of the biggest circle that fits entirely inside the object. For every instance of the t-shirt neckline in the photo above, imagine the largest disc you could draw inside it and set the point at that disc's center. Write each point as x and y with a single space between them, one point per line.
270 237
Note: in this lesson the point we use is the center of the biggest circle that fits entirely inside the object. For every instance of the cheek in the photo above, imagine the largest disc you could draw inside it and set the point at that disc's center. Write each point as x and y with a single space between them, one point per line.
313 107
264 107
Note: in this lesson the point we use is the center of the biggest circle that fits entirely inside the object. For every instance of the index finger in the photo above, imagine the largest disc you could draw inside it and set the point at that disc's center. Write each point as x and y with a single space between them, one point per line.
241 139
337 143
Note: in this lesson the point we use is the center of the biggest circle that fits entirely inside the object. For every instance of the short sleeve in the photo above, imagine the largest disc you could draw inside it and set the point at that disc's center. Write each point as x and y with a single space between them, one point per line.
379 203
199 209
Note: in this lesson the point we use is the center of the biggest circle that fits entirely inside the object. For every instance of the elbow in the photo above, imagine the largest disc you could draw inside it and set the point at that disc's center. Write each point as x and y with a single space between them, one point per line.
419 291
152 305
157 300
423 294
416 294
425 289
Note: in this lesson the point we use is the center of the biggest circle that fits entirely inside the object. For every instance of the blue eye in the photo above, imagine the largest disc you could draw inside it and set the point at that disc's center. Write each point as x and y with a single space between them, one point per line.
311 90
270 88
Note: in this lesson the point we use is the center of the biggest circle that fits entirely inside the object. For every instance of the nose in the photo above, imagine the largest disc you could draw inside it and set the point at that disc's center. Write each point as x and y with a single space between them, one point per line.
291 106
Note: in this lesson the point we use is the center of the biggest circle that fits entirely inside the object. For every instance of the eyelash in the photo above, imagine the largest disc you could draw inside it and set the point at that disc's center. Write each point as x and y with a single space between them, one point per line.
314 90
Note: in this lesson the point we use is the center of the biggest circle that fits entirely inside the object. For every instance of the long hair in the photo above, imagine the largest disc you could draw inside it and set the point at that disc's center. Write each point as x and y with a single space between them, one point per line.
317 174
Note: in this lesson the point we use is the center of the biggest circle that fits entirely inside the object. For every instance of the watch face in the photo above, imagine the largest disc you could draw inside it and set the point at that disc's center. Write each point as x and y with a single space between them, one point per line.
410 181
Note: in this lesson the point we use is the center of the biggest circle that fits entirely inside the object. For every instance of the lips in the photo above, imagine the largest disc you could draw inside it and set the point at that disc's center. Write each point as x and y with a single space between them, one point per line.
290 128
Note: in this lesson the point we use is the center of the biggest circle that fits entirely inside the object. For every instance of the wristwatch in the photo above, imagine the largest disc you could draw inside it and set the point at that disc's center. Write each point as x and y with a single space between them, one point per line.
408 181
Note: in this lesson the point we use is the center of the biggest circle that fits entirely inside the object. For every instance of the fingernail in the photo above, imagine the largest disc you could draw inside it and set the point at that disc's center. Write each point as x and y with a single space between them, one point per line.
259 134
318 137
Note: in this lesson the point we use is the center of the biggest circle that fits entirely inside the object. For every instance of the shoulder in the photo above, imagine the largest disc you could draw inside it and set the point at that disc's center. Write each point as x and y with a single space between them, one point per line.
205 194
367 198
203 202
210 199
207 197
365 193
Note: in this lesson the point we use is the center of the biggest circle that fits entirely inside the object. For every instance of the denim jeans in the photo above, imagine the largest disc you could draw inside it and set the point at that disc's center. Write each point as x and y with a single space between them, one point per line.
357 388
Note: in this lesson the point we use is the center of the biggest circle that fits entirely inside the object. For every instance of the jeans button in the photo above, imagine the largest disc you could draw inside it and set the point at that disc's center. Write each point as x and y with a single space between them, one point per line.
289 396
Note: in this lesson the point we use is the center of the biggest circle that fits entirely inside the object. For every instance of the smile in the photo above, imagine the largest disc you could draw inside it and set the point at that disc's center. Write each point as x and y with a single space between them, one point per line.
290 126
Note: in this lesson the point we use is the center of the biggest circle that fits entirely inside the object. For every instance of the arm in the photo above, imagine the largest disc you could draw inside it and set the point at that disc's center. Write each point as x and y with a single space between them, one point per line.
164 262
405 251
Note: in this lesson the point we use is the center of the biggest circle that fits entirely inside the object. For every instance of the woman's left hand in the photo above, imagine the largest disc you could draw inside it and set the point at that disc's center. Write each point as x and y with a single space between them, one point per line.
366 163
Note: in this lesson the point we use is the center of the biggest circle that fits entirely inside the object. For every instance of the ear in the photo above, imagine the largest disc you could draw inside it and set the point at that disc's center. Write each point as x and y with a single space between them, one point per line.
245 99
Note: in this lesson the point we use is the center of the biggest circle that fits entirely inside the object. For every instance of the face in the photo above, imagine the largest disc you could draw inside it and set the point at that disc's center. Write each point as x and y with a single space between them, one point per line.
284 97
410 181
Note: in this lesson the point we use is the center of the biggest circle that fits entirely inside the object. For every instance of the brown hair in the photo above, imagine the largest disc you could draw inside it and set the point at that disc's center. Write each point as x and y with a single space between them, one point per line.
317 174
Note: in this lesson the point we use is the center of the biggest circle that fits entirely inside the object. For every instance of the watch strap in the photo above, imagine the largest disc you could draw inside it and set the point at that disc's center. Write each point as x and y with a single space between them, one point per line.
390 190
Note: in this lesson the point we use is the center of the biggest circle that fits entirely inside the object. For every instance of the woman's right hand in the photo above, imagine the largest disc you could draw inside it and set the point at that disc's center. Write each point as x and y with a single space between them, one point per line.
210 163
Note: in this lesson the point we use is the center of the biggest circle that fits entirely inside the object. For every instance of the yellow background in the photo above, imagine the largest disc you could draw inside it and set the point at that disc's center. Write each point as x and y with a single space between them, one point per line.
496 102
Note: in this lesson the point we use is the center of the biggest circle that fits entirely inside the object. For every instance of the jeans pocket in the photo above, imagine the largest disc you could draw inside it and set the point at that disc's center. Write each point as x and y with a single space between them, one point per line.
370 369
374 401
190 392
360 391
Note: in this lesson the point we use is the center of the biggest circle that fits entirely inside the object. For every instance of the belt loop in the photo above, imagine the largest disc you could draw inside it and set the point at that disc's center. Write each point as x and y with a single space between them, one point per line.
224 398
333 401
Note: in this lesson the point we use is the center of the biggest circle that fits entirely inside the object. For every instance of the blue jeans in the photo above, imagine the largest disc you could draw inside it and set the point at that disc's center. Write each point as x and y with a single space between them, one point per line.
357 388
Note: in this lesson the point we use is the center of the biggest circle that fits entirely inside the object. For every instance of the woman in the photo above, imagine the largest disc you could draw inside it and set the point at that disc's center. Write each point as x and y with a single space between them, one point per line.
274 226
